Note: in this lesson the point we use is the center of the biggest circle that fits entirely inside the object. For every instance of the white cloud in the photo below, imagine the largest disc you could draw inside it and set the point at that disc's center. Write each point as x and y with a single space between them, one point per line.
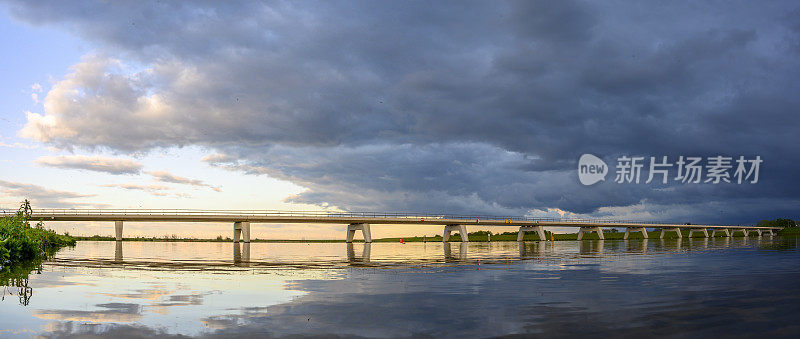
156 190
18 145
218 158
164 176
138 187
230 163
92 163
119 108
41 197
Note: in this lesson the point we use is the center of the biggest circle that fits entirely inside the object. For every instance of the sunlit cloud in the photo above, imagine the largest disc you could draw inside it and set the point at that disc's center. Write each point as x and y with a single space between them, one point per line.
92 163
42 197
155 190
164 176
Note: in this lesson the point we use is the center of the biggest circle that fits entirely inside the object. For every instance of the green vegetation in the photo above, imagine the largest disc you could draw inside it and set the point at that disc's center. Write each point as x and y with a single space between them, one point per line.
16 276
23 249
19 241
778 223
789 231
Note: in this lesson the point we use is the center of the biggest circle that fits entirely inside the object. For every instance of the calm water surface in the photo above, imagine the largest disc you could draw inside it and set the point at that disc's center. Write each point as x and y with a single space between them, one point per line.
691 288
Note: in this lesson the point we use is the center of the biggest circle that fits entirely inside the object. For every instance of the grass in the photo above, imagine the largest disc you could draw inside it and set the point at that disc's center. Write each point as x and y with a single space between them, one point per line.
789 231
20 242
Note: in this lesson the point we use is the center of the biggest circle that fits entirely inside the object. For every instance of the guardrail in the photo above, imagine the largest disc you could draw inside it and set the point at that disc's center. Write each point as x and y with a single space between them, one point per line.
317 214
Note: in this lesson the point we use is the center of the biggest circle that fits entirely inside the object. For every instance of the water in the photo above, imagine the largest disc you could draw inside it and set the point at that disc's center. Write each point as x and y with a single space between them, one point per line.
695 288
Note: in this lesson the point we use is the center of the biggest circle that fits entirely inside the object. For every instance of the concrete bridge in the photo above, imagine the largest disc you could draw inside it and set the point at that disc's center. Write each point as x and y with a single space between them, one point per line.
361 221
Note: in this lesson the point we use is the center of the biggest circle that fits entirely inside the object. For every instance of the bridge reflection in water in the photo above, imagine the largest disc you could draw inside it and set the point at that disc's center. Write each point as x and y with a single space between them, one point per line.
241 254
118 252
460 256
365 253
392 253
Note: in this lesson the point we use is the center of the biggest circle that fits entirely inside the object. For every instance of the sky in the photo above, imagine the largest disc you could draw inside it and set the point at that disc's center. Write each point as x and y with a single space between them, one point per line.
454 107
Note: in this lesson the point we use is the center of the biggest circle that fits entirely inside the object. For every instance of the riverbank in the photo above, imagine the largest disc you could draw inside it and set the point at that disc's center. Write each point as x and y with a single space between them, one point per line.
20 242
480 236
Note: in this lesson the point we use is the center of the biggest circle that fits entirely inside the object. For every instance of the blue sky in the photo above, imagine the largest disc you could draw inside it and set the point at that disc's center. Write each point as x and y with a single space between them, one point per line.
452 107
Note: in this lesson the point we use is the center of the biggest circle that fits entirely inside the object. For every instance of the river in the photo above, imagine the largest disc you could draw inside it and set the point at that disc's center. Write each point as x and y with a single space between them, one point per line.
689 288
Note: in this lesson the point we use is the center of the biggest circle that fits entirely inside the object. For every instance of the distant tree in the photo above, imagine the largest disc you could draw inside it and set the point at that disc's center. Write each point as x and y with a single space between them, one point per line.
25 209
777 223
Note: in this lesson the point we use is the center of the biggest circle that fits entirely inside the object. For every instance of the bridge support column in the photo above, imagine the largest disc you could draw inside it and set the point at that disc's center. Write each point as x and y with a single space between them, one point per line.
724 230
635 229
770 232
538 229
118 230
351 232
462 231
703 230
241 229
755 230
676 230
590 229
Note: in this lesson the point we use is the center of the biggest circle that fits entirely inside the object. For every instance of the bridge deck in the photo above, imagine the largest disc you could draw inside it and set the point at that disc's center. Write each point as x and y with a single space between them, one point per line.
283 217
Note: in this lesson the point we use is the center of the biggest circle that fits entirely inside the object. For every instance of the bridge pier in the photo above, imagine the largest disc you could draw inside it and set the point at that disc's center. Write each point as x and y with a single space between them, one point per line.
352 228
538 229
724 230
754 230
118 230
703 230
241 229
635 229
676 230
590 229
770 232
462 231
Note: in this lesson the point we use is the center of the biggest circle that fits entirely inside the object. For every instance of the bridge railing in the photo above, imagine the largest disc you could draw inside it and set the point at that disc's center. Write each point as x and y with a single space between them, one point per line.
317 214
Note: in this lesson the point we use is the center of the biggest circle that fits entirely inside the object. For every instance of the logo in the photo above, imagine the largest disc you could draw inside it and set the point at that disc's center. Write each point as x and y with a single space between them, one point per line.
687 169
591 169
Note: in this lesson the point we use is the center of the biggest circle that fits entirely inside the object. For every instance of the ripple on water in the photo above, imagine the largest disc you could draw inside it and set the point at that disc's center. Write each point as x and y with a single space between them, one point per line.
687 287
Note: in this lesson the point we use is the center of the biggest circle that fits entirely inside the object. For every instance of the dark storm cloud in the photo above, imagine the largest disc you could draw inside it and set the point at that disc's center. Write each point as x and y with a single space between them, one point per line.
479 107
